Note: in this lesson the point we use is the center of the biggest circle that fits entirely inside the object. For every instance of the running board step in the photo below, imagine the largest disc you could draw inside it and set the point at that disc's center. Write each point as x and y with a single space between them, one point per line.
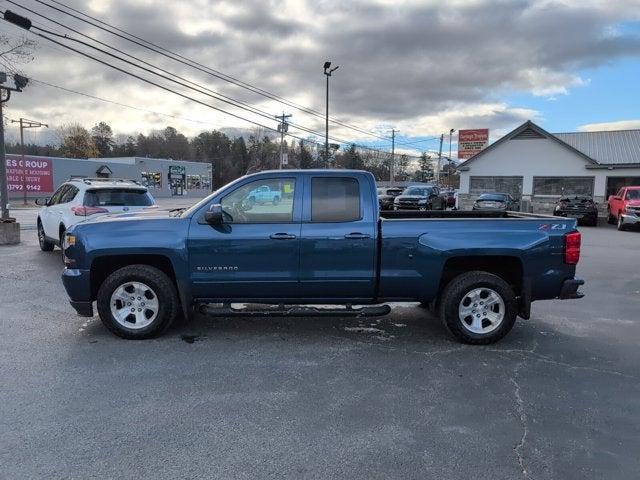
295 311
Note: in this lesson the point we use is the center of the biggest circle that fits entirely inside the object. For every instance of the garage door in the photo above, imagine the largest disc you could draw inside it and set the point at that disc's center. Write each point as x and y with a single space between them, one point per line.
616 183
512 185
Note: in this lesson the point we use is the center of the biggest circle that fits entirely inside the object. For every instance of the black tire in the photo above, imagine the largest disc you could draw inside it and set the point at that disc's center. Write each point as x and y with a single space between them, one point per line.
158 281
611 220
621 225
276 200
45 245
457 289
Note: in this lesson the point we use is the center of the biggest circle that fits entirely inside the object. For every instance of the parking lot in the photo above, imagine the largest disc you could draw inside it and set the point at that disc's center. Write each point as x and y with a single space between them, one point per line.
315 398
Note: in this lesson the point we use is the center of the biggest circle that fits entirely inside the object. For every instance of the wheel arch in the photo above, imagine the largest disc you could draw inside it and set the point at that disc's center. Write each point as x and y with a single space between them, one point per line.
508 267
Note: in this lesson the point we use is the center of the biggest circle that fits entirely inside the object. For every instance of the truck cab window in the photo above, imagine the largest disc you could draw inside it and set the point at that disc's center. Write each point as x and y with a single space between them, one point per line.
335 199
262 201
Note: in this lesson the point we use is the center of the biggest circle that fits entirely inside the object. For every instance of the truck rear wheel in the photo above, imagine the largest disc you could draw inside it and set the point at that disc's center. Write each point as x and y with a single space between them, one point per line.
478 308
137 302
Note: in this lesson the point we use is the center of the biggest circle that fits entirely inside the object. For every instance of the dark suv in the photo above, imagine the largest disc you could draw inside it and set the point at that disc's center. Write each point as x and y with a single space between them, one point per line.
581 207
420 197
386 197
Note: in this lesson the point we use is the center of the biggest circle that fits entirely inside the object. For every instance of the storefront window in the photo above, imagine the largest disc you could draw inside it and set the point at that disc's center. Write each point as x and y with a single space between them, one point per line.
194 182
512 185
558 186
152 179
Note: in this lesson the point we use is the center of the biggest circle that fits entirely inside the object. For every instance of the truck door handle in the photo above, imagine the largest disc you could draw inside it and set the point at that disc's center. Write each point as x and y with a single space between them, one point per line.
357 236
282 236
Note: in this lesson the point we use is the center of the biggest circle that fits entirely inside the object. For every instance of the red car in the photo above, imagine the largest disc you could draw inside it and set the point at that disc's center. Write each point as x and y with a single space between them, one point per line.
624 207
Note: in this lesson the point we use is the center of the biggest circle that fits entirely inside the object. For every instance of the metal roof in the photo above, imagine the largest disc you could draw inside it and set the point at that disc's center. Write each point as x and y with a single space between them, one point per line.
611 148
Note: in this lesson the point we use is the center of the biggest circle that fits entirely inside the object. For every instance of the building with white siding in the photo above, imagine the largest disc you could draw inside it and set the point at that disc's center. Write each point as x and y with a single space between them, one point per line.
538 167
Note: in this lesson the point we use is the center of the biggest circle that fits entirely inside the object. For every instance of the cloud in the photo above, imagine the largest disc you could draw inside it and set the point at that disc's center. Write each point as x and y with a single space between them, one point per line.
419 65
609 126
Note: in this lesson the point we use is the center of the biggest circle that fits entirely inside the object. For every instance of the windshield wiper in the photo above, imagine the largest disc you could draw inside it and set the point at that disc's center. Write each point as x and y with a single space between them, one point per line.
177 211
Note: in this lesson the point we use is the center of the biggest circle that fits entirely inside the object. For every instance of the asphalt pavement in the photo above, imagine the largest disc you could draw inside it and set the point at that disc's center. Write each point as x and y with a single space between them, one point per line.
323 398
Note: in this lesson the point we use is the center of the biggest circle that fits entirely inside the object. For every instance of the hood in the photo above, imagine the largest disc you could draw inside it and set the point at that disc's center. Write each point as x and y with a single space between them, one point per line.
150 214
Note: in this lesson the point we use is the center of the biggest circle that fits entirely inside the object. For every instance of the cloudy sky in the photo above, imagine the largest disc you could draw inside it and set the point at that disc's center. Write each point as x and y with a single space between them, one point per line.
421 67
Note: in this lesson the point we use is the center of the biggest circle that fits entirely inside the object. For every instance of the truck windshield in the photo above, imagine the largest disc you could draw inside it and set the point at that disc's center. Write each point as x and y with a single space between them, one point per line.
420 191
633 194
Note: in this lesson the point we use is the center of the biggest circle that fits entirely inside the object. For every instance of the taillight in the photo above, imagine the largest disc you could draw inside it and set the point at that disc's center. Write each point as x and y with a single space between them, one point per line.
572 247
86 211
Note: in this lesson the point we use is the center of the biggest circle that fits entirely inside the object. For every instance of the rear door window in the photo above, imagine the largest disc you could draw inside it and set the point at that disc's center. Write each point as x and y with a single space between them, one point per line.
117 197
335 199
69 194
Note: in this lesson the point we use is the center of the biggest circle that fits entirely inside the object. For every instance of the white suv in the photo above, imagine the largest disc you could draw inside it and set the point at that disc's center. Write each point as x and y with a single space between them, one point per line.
78 199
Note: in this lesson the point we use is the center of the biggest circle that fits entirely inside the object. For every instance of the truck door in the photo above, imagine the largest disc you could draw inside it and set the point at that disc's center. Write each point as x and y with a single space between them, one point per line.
254 254
338 238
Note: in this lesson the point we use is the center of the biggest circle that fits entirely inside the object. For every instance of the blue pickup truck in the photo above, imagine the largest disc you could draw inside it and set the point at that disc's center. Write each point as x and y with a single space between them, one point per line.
325 243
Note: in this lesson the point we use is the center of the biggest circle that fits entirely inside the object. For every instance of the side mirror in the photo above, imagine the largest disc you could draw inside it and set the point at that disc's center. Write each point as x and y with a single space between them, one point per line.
43 202
214 216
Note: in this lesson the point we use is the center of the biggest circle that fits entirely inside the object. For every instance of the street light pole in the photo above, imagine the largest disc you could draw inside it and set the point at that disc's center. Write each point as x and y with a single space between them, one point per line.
327 71
24 123
449 169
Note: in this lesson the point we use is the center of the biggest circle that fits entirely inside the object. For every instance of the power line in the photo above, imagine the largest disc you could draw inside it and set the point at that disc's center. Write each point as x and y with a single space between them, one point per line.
192 63
126 72
199 88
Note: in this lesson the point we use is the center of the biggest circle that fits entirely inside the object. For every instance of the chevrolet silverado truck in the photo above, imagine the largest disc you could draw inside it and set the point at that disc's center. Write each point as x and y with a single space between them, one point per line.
325 250
623 208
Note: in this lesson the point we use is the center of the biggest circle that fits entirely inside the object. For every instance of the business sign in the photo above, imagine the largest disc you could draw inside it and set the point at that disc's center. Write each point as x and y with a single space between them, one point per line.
176 171
471 142
35 175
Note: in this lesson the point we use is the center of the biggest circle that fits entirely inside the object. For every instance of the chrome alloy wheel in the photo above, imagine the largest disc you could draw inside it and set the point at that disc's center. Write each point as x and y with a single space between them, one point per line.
481 310
134 305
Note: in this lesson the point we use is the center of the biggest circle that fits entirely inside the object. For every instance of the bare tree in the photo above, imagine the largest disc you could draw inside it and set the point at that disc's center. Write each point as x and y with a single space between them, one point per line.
16 50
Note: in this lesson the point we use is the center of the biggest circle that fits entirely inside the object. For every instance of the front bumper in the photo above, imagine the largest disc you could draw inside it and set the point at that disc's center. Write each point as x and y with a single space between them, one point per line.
569 289
77 283
630 219
410 206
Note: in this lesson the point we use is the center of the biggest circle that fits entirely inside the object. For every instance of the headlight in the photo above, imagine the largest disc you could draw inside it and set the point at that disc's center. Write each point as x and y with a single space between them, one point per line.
422 201
69 240
557 207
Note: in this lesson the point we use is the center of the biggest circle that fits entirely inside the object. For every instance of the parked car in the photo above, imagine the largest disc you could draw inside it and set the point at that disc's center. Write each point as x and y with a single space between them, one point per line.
331 246
263 195
386 197
422 197
496 201
580 207
624 207
78 199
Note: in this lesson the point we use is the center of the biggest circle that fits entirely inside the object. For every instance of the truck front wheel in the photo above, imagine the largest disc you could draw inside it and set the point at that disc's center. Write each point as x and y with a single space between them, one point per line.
137 302
478 308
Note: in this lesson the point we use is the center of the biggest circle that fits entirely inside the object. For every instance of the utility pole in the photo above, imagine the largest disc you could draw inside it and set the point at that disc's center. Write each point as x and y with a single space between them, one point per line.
327 71
24 123
439 159
392 166
283 127
20 82
4 191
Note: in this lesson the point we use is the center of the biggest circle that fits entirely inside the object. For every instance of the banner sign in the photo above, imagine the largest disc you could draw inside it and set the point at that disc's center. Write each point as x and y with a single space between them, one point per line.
471 142
35 175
